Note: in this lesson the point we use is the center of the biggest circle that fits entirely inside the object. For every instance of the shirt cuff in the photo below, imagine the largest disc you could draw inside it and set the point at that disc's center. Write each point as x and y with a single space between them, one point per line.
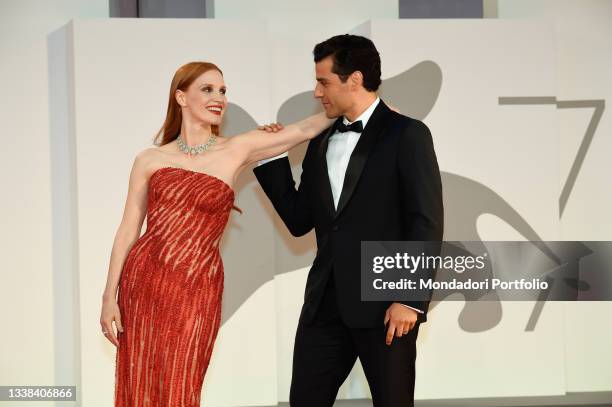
261 162
417 310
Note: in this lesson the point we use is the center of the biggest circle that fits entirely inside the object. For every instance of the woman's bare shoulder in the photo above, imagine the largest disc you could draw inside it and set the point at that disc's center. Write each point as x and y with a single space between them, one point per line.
148 158
147 154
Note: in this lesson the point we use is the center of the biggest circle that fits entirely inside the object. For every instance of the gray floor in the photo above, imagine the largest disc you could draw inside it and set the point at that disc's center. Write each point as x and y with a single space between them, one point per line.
598 399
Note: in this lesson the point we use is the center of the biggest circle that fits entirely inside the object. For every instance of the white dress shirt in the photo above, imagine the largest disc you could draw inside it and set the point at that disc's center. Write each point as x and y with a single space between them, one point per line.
339 150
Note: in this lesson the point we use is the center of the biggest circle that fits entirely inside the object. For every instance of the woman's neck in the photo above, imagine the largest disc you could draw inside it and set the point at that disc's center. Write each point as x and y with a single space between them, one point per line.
194 134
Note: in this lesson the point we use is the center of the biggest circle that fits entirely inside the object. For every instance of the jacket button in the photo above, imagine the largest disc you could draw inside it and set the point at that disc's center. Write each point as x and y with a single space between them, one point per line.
335 228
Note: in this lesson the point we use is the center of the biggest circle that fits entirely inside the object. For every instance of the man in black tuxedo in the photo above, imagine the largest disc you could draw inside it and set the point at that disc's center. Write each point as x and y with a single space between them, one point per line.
373 175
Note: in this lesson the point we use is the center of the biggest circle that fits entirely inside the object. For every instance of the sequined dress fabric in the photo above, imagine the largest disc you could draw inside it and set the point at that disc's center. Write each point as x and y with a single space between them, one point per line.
170 291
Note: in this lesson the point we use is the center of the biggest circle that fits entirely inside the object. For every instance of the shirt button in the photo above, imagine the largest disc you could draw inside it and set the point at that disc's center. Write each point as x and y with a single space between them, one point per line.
335 228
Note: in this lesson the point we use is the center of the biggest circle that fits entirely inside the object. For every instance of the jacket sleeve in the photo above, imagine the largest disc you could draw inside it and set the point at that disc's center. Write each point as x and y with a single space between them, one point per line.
291 204
421 192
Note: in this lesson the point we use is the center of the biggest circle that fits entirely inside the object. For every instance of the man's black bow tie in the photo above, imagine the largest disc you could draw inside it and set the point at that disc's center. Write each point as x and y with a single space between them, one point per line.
357 127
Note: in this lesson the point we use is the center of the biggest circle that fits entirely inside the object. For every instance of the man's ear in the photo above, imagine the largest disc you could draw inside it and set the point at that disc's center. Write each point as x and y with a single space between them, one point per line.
179 95
356 79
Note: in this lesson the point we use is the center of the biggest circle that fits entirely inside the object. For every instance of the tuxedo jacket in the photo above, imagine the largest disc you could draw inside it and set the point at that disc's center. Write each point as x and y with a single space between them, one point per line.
392 191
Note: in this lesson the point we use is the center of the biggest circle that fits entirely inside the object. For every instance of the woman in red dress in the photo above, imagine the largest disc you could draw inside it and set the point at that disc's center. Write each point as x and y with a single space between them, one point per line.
164 288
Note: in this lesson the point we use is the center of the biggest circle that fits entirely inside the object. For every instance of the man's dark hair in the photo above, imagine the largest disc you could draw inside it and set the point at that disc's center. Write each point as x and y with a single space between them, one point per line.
351 53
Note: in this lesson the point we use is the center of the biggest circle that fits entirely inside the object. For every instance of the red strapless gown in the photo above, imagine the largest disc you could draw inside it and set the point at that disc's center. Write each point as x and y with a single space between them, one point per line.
170 291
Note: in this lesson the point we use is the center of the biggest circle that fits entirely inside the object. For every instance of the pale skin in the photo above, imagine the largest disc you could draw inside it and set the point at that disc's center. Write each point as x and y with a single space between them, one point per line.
351 99
202 105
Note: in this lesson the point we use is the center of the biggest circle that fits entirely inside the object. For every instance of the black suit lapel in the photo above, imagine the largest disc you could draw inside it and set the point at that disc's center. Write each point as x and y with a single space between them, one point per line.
325 191
375 126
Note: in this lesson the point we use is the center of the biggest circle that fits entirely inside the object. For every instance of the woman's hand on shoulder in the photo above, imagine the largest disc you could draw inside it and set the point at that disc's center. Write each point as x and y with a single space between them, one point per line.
271 128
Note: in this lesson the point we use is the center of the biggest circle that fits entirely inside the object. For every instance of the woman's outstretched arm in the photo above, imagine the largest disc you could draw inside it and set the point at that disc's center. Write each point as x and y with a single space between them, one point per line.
258 144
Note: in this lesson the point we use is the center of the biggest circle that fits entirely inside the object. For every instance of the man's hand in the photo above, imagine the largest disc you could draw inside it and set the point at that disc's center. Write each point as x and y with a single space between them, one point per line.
401 320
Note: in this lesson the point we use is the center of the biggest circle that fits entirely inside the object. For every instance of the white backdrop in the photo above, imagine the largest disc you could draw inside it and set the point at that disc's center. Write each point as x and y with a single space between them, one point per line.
122 70
584 56
35 350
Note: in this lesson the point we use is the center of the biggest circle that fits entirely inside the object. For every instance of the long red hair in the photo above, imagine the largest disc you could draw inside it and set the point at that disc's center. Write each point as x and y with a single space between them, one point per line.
183 78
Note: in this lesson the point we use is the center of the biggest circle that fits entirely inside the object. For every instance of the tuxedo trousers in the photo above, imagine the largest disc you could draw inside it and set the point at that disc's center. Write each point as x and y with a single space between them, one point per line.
325 352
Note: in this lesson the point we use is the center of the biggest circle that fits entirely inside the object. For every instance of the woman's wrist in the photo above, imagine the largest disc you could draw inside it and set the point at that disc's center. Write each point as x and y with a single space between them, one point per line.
321 122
